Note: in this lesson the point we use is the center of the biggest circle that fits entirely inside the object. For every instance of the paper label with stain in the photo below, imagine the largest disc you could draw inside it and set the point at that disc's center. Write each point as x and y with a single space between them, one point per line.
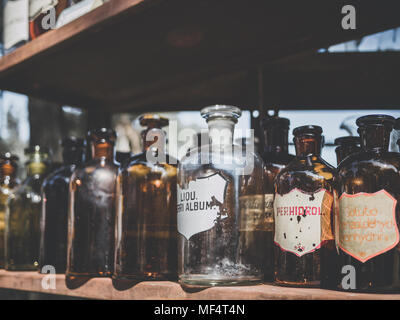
367 224
200 205
302 220
252 216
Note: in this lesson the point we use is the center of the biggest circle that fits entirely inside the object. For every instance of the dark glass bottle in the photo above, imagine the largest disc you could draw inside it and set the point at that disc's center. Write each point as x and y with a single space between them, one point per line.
91 228
23 215
146 247
276 157
8 183
369 190
346 146
305 253
123 157
54 219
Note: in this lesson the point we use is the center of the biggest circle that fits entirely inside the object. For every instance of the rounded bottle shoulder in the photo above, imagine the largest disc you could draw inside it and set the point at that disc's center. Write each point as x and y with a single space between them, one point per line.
61 174
370 159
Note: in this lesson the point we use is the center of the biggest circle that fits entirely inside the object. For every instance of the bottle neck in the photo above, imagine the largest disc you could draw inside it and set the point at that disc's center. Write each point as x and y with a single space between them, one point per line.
375 138
276 140
7 172
344 151
221 131
73 156
103 150
308 145
150 136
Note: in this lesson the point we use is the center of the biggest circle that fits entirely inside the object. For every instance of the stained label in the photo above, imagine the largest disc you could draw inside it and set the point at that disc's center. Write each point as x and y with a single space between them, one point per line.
200 205
367 224
302 220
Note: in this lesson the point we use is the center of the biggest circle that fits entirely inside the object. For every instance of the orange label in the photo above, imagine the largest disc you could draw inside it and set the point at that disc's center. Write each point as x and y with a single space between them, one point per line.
367 224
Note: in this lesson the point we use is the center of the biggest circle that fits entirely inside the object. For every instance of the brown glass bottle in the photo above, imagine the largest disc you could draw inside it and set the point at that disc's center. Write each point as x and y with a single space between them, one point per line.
8 183
368 222
146 247
276 156
92 212
305 253
346 146
54 219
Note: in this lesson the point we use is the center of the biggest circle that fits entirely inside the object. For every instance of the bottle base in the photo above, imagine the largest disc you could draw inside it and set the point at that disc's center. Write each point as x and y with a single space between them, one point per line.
75 280
308 284
25 267
200 280
145 276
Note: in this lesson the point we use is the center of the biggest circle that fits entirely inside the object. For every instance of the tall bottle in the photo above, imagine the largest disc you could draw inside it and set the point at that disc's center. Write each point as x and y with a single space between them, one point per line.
8 183
368 221
305 253
15 24
54 218
346 146
220 208
23 214
276 157
91 227
40 19
146 247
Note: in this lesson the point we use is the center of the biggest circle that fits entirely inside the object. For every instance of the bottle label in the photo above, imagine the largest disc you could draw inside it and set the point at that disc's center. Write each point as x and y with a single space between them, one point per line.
37 7
302 220
200 206
252 217
16 28
367 224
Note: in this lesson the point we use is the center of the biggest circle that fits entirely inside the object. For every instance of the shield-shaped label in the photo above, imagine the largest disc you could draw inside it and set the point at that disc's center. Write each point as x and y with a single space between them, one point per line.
367 224
199 206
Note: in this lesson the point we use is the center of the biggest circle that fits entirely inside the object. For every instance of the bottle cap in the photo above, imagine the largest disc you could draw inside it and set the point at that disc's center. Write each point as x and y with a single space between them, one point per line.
37 149
348 140
221 111
102 135
73 142
153 120
9 157
309 129
275 121
376 120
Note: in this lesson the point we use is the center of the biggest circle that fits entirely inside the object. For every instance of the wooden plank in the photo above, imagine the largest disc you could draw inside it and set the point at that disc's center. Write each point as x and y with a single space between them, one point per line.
103 289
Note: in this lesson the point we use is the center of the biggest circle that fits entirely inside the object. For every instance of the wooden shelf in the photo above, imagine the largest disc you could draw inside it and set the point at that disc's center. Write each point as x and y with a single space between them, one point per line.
103 289
177 54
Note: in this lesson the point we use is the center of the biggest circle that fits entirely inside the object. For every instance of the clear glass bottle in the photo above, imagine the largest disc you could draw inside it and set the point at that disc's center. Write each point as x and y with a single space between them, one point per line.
91 220
369 189
220 206
23 214
346 146
8 183
15 24
305 253
146 247
54 218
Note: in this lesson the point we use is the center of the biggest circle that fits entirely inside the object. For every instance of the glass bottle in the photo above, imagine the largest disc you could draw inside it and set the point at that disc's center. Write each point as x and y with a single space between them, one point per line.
54 218
23 214
346 146
276 157
305 253
15 24
8 183
368 222
146 247
220 207
396 134
92 212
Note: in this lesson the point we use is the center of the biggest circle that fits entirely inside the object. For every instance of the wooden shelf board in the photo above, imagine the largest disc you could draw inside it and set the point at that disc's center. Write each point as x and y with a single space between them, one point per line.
103 289
158 54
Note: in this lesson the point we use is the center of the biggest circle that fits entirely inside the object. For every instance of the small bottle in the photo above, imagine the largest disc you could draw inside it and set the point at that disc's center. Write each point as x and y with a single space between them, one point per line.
276 157
23 214
146 247
15 24
91 227
40 18
368 222
346 146
54 218
305 253
8 183
220 208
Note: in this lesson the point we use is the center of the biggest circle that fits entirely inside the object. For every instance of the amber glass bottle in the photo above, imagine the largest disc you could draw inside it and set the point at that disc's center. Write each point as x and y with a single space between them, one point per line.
346 146
368 222
305 253
54 219
23 215
276 157
92 212
39 10
146 247
8 183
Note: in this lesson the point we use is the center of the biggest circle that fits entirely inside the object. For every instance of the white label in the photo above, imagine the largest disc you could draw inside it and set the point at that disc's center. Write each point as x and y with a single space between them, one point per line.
298 217
77 10
36 7
16 26
199 206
